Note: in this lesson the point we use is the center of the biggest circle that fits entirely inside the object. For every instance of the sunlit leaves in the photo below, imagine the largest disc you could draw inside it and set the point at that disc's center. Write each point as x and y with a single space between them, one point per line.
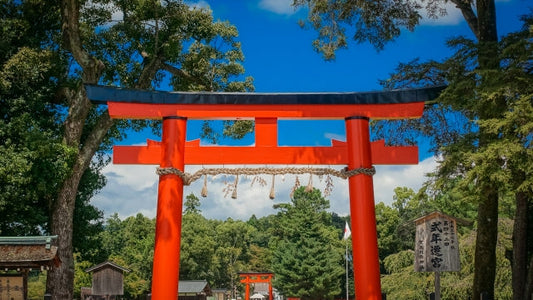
376 22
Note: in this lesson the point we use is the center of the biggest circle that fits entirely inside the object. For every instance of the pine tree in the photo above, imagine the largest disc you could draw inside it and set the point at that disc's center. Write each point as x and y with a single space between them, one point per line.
307 253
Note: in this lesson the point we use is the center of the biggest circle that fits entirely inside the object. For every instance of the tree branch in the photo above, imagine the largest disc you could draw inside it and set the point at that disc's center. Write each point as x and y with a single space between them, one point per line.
95 138
151 66
70 14
468 13
180 73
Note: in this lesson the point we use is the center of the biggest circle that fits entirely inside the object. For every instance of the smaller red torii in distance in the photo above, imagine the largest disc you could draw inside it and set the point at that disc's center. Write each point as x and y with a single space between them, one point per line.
265 109
256 277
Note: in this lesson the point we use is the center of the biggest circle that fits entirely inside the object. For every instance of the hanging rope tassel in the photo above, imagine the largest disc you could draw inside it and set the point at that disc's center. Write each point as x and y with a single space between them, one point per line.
234 194
295 187
309 186
204 188
272 192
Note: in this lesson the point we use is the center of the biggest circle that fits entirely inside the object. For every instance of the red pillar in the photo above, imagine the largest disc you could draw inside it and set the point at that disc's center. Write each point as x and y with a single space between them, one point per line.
270 294
362 211
247 290
165 275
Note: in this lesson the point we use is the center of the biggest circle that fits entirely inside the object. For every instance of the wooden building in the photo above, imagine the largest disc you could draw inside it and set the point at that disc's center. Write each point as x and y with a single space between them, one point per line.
108 281
18 256
193 290
221 294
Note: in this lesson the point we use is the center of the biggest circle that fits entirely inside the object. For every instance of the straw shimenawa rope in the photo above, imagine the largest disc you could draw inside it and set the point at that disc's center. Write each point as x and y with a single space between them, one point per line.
189 178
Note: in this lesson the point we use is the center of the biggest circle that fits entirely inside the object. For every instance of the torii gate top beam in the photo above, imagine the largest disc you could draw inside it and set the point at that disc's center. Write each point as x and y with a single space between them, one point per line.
141 104
265 109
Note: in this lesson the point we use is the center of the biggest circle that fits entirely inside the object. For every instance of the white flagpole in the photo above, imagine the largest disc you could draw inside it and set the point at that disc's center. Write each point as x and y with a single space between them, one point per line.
347 233
346 257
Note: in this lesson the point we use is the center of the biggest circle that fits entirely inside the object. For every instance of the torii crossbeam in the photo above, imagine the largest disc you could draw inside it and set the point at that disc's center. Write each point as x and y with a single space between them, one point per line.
175 108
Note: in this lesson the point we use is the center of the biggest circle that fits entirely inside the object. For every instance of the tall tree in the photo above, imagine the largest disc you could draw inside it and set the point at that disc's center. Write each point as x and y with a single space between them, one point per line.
146 42
31 168
232 253
261 256
479 150
28 128
34 159
513 147
198 246
380 22
307 252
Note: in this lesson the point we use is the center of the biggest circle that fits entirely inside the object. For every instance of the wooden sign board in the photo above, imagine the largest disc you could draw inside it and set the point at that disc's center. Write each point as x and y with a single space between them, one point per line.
11 287
436 248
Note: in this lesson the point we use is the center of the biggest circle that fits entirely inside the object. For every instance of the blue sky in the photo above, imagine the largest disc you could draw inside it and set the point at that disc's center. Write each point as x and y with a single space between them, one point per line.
279 55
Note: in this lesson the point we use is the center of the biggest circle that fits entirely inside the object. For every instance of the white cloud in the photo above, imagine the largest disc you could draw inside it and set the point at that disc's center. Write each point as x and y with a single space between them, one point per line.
282 7
132 189
453 16
388 178
198 4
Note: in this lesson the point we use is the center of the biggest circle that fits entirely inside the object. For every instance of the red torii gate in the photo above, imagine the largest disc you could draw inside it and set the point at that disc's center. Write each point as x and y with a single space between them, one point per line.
256 277
175 108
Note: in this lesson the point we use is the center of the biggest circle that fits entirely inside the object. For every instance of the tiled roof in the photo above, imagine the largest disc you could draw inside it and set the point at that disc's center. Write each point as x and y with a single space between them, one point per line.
107 264
28 252
192 286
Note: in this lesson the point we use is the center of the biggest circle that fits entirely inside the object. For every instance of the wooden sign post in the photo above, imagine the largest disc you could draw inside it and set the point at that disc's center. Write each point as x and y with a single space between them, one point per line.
437 248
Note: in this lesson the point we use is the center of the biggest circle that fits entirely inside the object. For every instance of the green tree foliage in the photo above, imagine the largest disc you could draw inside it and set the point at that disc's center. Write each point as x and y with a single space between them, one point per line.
34 161
36 285
232 253
486 147
387 224
81 278
50 49
373 21
88 220
380 22
402 282
260 253
210 249
130 243
307 253
197 252
191 204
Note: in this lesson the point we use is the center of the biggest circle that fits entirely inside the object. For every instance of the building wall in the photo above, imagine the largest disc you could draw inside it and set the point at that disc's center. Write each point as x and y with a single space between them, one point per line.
108 281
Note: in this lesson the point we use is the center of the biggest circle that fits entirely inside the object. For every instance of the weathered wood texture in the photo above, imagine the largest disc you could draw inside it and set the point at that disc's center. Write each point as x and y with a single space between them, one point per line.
437 247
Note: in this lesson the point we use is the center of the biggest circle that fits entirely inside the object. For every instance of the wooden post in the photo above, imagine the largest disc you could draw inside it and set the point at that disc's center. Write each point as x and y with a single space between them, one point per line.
362 211
165 276
437 285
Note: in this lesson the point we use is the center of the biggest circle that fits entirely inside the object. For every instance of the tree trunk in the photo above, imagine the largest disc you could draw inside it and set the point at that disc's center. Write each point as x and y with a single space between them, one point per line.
529 286
520 247
486 238
487 219
60 281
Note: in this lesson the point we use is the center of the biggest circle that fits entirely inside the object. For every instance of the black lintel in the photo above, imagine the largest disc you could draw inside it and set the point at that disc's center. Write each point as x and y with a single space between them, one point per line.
102 94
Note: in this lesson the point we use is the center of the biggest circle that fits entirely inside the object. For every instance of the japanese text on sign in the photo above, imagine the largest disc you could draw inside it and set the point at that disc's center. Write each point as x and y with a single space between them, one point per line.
436 247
